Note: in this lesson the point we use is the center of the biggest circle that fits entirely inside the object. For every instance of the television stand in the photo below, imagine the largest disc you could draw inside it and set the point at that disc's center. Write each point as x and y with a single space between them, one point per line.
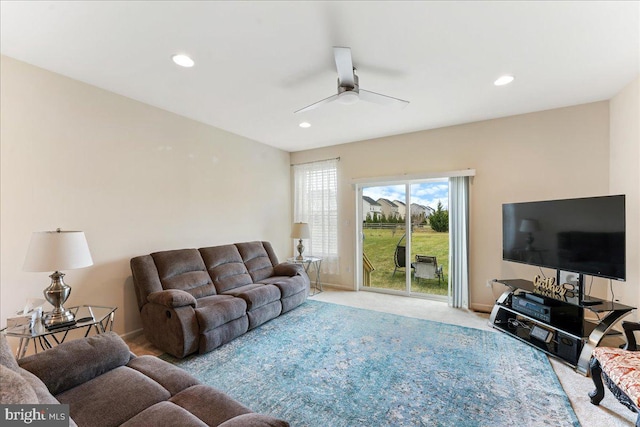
556 326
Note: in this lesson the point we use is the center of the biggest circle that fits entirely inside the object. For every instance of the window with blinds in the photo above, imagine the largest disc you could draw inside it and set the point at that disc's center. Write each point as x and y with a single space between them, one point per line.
316 203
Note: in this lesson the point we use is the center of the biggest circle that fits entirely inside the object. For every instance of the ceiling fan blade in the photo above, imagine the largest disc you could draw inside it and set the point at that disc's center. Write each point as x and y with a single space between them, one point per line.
344 65
317 104
378 98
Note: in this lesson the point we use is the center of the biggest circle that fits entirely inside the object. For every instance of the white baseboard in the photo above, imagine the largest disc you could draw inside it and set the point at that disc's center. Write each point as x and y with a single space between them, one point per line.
334 286
132 334
482 308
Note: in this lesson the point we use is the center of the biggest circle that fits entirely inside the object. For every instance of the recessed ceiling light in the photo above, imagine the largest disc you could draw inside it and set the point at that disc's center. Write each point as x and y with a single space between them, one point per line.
503 80
305 125
183 60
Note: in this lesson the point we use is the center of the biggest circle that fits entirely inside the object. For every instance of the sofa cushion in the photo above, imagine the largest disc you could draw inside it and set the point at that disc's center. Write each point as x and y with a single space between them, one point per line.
288 285
183 269
112 398
263 314
259 259
164 414
217 310
75 362
167 375
223 334
14 389
200 399
256 295
225 266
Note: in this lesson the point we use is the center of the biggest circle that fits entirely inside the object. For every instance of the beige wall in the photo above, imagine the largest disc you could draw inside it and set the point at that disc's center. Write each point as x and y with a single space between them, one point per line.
625 179
550 154
135 178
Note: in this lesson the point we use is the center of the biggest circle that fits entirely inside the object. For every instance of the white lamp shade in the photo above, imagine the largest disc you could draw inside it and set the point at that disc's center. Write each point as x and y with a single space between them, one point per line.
529 226
57 250
300 230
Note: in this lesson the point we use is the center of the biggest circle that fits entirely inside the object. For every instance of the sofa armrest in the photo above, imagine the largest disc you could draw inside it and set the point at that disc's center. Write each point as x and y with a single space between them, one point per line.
288 269
172 298
75 362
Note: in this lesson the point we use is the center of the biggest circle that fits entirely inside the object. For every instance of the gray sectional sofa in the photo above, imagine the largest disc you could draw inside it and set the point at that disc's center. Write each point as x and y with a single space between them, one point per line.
198 299
107 386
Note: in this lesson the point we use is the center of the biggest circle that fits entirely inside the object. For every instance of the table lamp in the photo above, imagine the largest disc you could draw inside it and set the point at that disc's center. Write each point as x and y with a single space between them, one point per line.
300 230
55 251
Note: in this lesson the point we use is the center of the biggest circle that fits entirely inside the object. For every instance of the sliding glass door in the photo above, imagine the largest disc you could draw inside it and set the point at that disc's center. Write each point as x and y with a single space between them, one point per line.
384 237
430 238
401 252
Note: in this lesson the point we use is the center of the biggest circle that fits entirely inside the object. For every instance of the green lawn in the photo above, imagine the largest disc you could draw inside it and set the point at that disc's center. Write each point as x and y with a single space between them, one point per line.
380 245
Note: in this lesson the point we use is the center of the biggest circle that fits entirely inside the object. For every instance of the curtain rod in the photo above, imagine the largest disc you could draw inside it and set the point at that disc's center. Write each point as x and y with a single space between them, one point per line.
401 179
314 161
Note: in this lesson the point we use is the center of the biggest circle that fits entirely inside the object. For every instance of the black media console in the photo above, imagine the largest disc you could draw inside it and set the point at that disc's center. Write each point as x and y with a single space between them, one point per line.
556 326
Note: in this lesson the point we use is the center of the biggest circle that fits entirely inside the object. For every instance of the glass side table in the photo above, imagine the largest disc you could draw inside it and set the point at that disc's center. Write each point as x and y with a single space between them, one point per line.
308 261
92 316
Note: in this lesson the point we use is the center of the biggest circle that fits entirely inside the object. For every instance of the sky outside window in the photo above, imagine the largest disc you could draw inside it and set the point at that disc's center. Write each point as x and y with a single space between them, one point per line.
425 193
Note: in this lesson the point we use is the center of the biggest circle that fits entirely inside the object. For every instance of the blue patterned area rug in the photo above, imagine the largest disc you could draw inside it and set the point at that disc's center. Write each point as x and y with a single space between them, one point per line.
329 365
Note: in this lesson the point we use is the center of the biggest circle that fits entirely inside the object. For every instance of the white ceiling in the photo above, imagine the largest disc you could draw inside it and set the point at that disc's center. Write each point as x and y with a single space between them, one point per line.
257 62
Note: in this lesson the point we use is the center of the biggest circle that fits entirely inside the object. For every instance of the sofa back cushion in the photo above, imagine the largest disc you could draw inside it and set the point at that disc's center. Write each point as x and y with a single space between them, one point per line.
225 266
183 269
259 259
75 362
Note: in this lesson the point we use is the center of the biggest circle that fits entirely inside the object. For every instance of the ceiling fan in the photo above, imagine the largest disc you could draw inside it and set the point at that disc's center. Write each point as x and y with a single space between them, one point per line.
349 91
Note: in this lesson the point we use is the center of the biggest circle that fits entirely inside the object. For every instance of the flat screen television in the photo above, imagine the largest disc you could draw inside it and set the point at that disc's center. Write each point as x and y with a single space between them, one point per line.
585 235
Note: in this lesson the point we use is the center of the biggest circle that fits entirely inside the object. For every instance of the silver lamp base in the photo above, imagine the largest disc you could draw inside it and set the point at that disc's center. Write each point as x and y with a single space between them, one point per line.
300 250
57 293
58 320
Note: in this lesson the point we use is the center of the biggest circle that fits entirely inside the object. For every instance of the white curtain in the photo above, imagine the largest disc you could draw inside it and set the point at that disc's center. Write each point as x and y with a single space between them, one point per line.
316 203
459 241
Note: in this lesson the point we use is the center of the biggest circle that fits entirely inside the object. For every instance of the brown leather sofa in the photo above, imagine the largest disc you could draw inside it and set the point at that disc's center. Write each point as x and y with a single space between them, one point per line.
107 386
198 299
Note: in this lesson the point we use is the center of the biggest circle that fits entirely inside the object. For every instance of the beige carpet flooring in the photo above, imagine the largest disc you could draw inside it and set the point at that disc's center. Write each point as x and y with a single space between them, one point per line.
610 413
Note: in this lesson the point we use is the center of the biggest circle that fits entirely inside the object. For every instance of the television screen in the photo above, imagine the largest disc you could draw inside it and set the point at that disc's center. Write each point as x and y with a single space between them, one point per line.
585 235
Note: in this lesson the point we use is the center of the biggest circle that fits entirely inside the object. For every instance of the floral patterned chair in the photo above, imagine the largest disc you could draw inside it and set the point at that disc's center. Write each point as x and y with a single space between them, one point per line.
620 370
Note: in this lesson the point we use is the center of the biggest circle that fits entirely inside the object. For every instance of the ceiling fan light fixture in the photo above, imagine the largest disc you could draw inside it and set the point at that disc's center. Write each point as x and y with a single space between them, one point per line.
349 91
183 60
503 80
348 97
305 125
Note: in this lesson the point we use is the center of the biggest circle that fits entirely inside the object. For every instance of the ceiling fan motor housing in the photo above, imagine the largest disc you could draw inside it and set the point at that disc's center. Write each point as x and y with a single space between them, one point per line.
349 86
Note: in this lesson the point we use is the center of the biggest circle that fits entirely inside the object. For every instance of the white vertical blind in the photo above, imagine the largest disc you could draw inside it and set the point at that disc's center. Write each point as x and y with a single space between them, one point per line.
316 203
459 241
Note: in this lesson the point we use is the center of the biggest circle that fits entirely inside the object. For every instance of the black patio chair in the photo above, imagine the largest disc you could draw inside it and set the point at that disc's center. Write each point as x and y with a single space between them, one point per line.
399 256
